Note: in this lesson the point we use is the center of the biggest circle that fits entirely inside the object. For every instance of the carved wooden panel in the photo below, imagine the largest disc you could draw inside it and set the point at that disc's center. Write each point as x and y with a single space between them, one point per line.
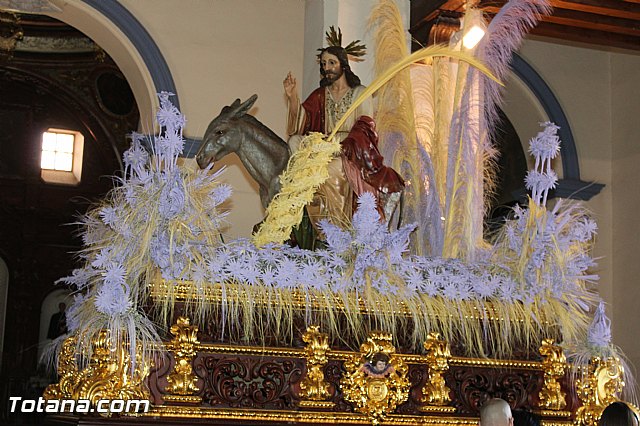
418 377
471 387
333 372
249 382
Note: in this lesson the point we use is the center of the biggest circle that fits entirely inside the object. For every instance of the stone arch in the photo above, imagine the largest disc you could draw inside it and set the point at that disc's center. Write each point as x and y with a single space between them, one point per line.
48 307
124 38
570 186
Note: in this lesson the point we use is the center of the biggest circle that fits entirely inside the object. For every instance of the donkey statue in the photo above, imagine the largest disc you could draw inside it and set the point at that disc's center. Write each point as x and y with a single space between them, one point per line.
262 152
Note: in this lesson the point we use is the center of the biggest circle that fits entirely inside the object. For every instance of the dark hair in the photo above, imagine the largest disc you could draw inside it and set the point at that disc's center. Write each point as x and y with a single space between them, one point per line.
339 52
524 418
379 356
618 414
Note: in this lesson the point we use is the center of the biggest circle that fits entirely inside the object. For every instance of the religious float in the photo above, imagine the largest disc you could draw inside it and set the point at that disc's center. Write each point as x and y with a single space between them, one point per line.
416 324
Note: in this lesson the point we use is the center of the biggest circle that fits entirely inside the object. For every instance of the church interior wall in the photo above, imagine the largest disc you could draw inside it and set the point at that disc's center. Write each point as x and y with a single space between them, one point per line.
594 87
525 113
625 129
563 68
229 50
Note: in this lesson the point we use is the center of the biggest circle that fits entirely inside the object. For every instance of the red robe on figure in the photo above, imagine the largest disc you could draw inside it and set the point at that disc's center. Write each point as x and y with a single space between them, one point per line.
361 160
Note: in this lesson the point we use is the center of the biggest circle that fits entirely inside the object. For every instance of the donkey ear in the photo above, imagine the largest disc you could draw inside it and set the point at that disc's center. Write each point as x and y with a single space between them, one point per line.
230 108
246 105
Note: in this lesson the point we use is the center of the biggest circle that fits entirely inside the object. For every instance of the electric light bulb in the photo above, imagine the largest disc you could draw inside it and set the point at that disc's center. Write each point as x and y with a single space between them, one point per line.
472 37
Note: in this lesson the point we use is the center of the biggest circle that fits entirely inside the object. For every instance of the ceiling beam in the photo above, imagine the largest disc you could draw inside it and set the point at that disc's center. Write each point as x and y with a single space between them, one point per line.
614 23
614 8
587 20
600 38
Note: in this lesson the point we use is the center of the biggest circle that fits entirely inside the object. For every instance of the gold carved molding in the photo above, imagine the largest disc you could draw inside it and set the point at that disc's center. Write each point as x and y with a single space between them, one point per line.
338 355
299 300
67 372
110 374
435 392
10 35
314 390
182 381
598 387
554 364
375 381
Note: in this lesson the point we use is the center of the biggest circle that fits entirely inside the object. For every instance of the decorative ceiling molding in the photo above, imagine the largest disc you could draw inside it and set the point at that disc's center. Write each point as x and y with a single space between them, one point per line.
29 6
10 33
45 44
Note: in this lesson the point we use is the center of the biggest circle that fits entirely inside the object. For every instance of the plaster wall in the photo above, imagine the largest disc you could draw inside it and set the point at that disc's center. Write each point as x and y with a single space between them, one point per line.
625 129
580 79
318 16
220 50
598 93
525 113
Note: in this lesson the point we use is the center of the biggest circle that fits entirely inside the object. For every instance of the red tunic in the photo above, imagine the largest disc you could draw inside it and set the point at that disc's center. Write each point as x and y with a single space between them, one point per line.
361 159
314 112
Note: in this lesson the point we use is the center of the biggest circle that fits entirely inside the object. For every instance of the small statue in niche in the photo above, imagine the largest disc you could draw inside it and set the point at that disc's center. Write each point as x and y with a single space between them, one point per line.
378 367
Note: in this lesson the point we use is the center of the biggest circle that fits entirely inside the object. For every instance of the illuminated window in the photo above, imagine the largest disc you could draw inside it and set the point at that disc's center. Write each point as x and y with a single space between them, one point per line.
61 160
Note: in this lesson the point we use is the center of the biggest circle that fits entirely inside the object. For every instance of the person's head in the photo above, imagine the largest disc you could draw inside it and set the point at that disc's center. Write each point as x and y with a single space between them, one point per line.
379 362
618 414
62 306
333 64
525 418
496 412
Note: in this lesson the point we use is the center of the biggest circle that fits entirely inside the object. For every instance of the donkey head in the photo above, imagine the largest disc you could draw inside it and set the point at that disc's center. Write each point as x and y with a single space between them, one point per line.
224 134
